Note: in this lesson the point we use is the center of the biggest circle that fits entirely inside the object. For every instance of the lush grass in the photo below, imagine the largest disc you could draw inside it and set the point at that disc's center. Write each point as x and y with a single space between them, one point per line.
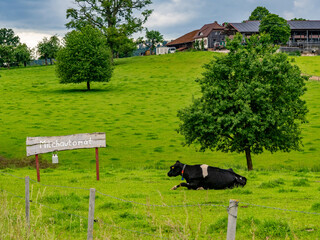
152 187
137 110
309 65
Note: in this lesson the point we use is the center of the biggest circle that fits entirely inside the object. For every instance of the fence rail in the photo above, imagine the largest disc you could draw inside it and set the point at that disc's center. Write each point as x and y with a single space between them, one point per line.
231 209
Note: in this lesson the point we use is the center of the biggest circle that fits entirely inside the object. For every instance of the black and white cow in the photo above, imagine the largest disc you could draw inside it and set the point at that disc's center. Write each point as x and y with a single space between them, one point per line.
205 177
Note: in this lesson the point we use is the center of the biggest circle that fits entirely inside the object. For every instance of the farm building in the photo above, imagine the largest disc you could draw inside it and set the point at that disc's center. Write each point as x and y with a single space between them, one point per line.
211 36
304 34
247 28
184 42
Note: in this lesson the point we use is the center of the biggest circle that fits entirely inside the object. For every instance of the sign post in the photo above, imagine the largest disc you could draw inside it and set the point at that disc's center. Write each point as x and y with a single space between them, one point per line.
97 163
38 145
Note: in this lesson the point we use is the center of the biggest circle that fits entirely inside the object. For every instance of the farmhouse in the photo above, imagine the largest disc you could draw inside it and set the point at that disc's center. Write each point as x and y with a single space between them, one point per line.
211 36
184 42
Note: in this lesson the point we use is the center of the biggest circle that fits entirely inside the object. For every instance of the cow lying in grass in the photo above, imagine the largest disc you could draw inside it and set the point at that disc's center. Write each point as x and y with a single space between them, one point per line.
205 177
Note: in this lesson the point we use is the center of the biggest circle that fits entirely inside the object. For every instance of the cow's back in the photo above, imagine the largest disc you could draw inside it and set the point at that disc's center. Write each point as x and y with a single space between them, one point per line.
219 178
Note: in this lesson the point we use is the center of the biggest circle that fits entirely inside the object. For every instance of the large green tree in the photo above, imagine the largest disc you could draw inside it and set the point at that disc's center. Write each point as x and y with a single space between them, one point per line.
259 13
84 58
153 37
277 27
117 19
250 102
48 48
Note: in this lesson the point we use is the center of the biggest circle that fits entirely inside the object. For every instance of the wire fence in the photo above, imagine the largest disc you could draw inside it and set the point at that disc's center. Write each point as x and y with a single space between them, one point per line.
137 203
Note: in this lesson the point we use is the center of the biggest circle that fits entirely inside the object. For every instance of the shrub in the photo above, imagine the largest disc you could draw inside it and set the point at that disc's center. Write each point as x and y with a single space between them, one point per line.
273 228
316 207
272 183
303 182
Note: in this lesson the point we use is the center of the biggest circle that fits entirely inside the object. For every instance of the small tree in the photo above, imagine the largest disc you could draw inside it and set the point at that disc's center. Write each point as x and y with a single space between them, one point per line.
196 45
8 43
277 27
22 54
251 102
7 55
259 13
153 37
8 38
202 45
48 48
85 57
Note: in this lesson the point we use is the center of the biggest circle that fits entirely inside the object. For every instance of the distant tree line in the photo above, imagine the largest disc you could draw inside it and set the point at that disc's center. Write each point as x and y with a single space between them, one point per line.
12 51
15 53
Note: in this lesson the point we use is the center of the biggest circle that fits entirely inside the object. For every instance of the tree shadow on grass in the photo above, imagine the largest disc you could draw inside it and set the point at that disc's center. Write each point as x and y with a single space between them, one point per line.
82 90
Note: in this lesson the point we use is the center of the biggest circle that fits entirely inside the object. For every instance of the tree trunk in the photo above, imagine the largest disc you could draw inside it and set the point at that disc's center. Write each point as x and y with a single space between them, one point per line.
51 61
249 160
46 60
25 63
88 86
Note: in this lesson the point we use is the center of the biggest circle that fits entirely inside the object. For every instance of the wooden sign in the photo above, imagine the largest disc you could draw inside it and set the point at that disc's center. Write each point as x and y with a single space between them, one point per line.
38 145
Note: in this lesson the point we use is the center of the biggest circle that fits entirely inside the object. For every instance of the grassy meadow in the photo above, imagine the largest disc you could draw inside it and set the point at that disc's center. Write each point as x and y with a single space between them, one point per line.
137 109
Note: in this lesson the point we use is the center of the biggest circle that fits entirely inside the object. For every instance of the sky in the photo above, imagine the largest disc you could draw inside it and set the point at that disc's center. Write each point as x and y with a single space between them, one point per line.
32 20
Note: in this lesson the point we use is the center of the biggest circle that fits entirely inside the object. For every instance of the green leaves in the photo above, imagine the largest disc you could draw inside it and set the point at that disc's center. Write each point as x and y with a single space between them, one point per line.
117 19
277 27
251 99
85 57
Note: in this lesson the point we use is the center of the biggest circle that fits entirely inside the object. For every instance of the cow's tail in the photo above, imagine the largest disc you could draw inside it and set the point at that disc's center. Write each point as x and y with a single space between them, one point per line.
240 181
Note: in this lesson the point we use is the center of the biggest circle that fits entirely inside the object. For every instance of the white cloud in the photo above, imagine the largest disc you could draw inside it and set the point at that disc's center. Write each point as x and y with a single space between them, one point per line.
288 15
300 3
30 38
174 13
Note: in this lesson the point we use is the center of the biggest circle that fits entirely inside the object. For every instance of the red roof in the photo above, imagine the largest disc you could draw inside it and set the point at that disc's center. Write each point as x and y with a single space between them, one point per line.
184 39
207 29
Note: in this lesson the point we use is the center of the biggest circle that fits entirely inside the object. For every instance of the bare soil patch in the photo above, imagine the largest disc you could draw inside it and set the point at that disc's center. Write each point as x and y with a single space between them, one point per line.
25 162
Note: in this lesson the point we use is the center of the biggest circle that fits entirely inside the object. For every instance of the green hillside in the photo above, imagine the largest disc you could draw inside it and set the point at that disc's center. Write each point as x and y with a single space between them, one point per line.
137 110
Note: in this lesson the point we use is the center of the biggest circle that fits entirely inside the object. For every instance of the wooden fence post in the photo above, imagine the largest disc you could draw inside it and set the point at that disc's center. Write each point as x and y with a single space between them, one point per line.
27 193
91 213
232 219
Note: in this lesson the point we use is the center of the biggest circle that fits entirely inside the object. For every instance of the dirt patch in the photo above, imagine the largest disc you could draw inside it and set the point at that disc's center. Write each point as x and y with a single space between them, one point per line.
315 78
25 162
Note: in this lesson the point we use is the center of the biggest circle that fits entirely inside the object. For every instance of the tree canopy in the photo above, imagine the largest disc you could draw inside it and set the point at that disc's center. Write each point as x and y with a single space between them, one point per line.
277 27
153 37
84 58
117 19
259 13
8 38
298 19
250 102
11 50
22 54
48 48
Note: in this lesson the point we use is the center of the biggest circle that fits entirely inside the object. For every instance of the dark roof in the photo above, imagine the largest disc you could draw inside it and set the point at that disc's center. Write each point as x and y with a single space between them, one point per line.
247 27
183 39
304 25
207 29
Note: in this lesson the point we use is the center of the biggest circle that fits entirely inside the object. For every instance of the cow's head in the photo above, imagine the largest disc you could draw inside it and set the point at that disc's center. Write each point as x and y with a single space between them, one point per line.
175 169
